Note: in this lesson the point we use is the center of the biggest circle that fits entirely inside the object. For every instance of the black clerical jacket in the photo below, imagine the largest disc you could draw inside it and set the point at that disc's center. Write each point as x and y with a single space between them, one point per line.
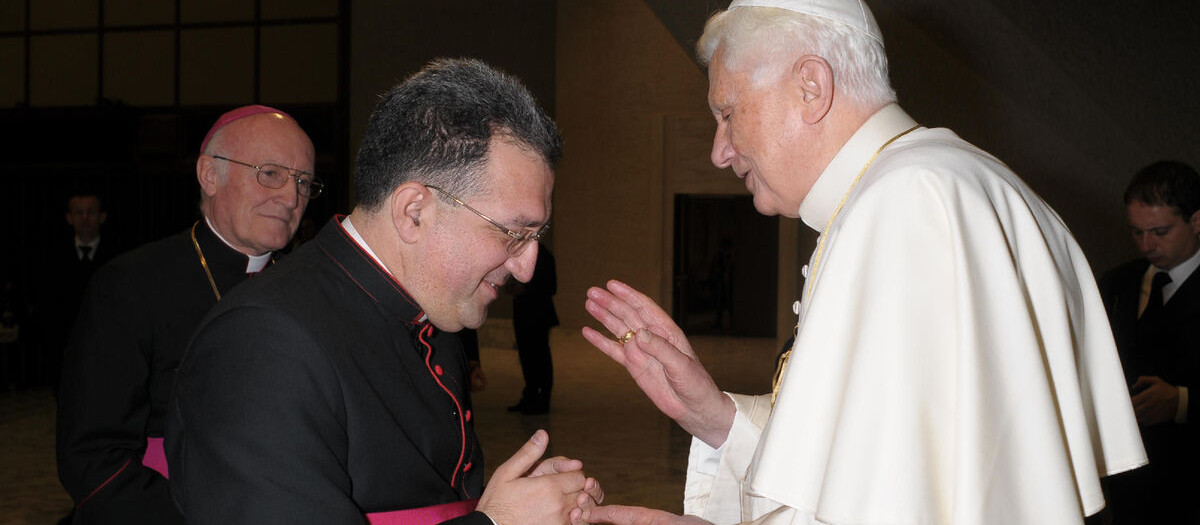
135 320
316 393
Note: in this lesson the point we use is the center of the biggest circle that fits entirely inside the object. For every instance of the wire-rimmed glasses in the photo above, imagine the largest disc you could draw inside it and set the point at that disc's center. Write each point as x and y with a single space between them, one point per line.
275 176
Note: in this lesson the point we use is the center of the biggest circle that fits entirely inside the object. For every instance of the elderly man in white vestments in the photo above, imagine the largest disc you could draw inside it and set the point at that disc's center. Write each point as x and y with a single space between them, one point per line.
952 362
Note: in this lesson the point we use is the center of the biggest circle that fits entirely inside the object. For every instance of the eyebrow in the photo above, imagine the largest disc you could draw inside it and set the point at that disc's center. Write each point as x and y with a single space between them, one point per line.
528 223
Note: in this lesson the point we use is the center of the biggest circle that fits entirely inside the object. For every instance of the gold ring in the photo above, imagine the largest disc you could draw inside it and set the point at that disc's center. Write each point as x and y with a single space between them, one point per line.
625 338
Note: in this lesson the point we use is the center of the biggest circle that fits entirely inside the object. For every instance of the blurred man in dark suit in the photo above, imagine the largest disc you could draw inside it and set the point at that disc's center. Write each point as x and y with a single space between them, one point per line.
1153 304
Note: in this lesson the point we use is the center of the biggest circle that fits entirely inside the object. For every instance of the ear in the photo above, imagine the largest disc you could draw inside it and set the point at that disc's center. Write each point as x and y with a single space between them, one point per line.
206 174
1194 222
814 78
103 217
412 211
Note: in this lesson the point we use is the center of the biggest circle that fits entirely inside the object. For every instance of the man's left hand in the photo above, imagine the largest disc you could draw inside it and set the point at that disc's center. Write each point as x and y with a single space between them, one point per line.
1156 400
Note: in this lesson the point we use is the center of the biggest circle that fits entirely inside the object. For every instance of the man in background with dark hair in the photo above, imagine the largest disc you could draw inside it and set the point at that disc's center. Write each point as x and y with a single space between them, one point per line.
86 215
334 386
1153 306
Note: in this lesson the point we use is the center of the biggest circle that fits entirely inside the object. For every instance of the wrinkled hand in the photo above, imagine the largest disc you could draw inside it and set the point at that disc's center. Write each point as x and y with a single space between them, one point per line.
1156 402
526 490
618 515
660 360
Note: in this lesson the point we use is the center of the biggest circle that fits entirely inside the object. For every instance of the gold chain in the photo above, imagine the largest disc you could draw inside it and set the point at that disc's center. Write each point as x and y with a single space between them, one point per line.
812 269
204 263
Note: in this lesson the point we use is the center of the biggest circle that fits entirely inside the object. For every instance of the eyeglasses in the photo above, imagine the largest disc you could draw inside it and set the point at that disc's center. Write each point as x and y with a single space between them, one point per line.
275 176
518 240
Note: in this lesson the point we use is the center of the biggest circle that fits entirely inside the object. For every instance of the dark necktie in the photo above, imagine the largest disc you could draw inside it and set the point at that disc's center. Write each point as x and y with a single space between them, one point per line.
1155 302
85 252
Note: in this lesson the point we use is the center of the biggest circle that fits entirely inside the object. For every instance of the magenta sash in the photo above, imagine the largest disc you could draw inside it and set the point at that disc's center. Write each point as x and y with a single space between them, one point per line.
424 515
155 457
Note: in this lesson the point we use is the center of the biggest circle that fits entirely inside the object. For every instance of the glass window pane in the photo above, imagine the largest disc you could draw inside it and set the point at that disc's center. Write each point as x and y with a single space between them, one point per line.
299 63
139 68
216 11
63 70
279 9
12 71
12 15
138 12
217 66
61 14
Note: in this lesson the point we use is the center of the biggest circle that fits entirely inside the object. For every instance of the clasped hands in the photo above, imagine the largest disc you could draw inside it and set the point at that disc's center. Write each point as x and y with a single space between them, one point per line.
527 489
663 364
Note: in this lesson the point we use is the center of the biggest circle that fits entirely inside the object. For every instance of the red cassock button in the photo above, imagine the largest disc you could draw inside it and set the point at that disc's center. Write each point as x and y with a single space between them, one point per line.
468 415
437 369
467 467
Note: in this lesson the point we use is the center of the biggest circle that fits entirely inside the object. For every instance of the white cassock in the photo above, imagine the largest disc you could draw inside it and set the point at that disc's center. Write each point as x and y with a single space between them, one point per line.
953 361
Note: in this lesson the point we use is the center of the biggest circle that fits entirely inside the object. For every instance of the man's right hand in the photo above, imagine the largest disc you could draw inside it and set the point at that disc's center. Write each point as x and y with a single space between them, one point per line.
1155 402
525 489
661 361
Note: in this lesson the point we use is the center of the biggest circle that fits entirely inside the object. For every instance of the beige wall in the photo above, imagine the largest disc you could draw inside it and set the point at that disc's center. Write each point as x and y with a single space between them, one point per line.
633 111
619 74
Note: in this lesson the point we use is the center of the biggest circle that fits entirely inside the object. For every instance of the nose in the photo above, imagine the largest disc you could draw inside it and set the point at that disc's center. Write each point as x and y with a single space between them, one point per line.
722 149
1145 242
521 266
289 194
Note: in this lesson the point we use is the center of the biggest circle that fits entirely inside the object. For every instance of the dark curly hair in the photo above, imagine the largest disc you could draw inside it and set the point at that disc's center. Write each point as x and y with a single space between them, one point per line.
435 128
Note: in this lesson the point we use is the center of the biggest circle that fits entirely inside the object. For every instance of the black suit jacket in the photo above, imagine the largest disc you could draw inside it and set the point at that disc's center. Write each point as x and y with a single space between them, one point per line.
316 393
136 318
1164 343
64 286
74 273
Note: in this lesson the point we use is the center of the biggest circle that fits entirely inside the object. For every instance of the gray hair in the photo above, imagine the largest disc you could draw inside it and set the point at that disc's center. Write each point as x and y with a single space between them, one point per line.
436 126
859 62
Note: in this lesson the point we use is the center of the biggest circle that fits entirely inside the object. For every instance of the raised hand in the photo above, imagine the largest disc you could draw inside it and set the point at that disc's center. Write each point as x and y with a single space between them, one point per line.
660 360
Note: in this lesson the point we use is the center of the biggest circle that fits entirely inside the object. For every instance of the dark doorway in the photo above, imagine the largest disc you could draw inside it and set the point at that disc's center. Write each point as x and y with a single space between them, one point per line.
726 266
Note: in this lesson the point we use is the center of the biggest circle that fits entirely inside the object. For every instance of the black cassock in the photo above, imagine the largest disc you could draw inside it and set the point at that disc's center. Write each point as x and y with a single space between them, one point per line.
315 393
135 321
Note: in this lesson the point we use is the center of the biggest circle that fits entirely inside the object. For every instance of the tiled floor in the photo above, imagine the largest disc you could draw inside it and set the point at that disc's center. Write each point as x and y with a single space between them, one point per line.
597 415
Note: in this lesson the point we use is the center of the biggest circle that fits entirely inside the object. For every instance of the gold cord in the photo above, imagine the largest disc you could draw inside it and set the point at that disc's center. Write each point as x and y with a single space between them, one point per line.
777 380
204 263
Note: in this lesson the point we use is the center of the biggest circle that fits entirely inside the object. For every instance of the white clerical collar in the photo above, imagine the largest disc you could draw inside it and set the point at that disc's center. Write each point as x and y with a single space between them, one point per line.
818 206
255 263
362 243
93 244
1179 274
